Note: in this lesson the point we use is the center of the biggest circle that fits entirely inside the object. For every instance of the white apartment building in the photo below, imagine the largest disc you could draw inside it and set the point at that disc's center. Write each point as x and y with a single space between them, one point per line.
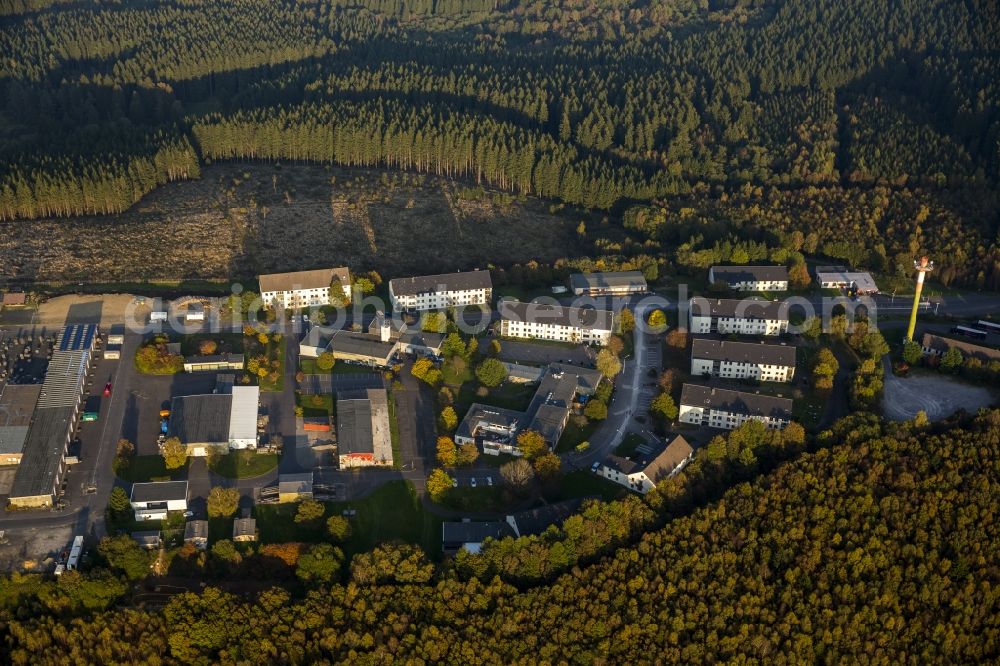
741 317
750 278
304 289
440 292
726 409
649 465
742 360
543 321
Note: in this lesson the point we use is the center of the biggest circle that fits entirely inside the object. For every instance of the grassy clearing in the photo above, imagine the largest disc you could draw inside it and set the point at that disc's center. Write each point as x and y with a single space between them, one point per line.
150 468
481 498
584 483
391 513
244 464
227 343
578 430
509 395
319 405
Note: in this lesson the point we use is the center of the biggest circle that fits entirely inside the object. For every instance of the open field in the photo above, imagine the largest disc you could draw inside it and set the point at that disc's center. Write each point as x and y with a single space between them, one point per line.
239 220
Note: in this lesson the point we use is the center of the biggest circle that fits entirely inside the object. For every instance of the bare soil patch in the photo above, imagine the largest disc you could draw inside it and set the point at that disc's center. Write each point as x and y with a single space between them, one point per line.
240 220
937 395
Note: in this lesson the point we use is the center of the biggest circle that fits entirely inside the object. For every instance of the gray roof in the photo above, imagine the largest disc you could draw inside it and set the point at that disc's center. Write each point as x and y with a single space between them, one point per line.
587 379
426 339
743 352
244 527
17 404
217 358
746 308
942 344
473 532
537 520
426 284
196 529
556 315
43 452
736 402
159 491
297 280
360 344
64 379
359 422
657 463
201 419
546 413
611 280
737 274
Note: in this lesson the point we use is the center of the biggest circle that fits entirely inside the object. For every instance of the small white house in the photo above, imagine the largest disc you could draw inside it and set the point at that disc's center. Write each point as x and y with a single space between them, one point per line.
152 501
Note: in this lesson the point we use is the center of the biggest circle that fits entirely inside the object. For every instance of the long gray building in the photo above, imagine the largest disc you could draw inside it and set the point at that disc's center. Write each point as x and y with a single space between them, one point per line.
43 462
742 360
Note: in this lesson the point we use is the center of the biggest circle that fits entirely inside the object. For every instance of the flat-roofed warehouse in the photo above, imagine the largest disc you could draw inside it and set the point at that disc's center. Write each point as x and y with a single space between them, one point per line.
43 460
363 434
219 421
17 405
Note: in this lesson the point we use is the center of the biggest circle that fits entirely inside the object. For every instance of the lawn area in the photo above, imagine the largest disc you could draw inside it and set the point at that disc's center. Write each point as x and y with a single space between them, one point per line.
391 513
628 446
244 464
308 366
318 405
227 343
578 430
274 354
584 483
481 498
456 372
397 455
150 468
509 395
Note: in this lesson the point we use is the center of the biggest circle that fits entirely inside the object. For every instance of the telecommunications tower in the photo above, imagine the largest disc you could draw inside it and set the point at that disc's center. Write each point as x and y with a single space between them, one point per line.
923 266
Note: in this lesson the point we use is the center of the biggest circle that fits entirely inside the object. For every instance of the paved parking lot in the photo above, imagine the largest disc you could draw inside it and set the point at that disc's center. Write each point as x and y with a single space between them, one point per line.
540 354
147 395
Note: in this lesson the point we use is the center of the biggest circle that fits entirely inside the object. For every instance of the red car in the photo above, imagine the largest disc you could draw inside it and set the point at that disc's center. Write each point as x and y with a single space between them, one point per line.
107 389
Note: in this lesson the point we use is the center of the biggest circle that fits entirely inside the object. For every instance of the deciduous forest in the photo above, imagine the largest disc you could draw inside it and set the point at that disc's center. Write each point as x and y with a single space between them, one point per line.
880 543
883 113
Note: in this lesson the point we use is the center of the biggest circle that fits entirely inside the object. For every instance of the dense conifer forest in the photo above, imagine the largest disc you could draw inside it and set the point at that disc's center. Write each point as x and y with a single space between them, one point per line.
595 103
878 543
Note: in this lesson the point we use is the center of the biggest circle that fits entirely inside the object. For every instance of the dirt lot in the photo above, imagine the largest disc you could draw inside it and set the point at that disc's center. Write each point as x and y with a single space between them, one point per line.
937 395
239 220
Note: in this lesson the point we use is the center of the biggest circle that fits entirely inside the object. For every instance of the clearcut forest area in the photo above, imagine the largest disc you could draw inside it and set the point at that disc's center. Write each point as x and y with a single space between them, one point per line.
872 126
239 220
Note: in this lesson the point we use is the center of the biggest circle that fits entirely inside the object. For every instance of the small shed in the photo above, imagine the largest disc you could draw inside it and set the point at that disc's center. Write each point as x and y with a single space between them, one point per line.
148 540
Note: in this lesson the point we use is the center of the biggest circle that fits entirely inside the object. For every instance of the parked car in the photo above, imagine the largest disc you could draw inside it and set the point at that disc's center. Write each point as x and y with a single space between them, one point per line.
596 466
454 483
473 482
489 480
